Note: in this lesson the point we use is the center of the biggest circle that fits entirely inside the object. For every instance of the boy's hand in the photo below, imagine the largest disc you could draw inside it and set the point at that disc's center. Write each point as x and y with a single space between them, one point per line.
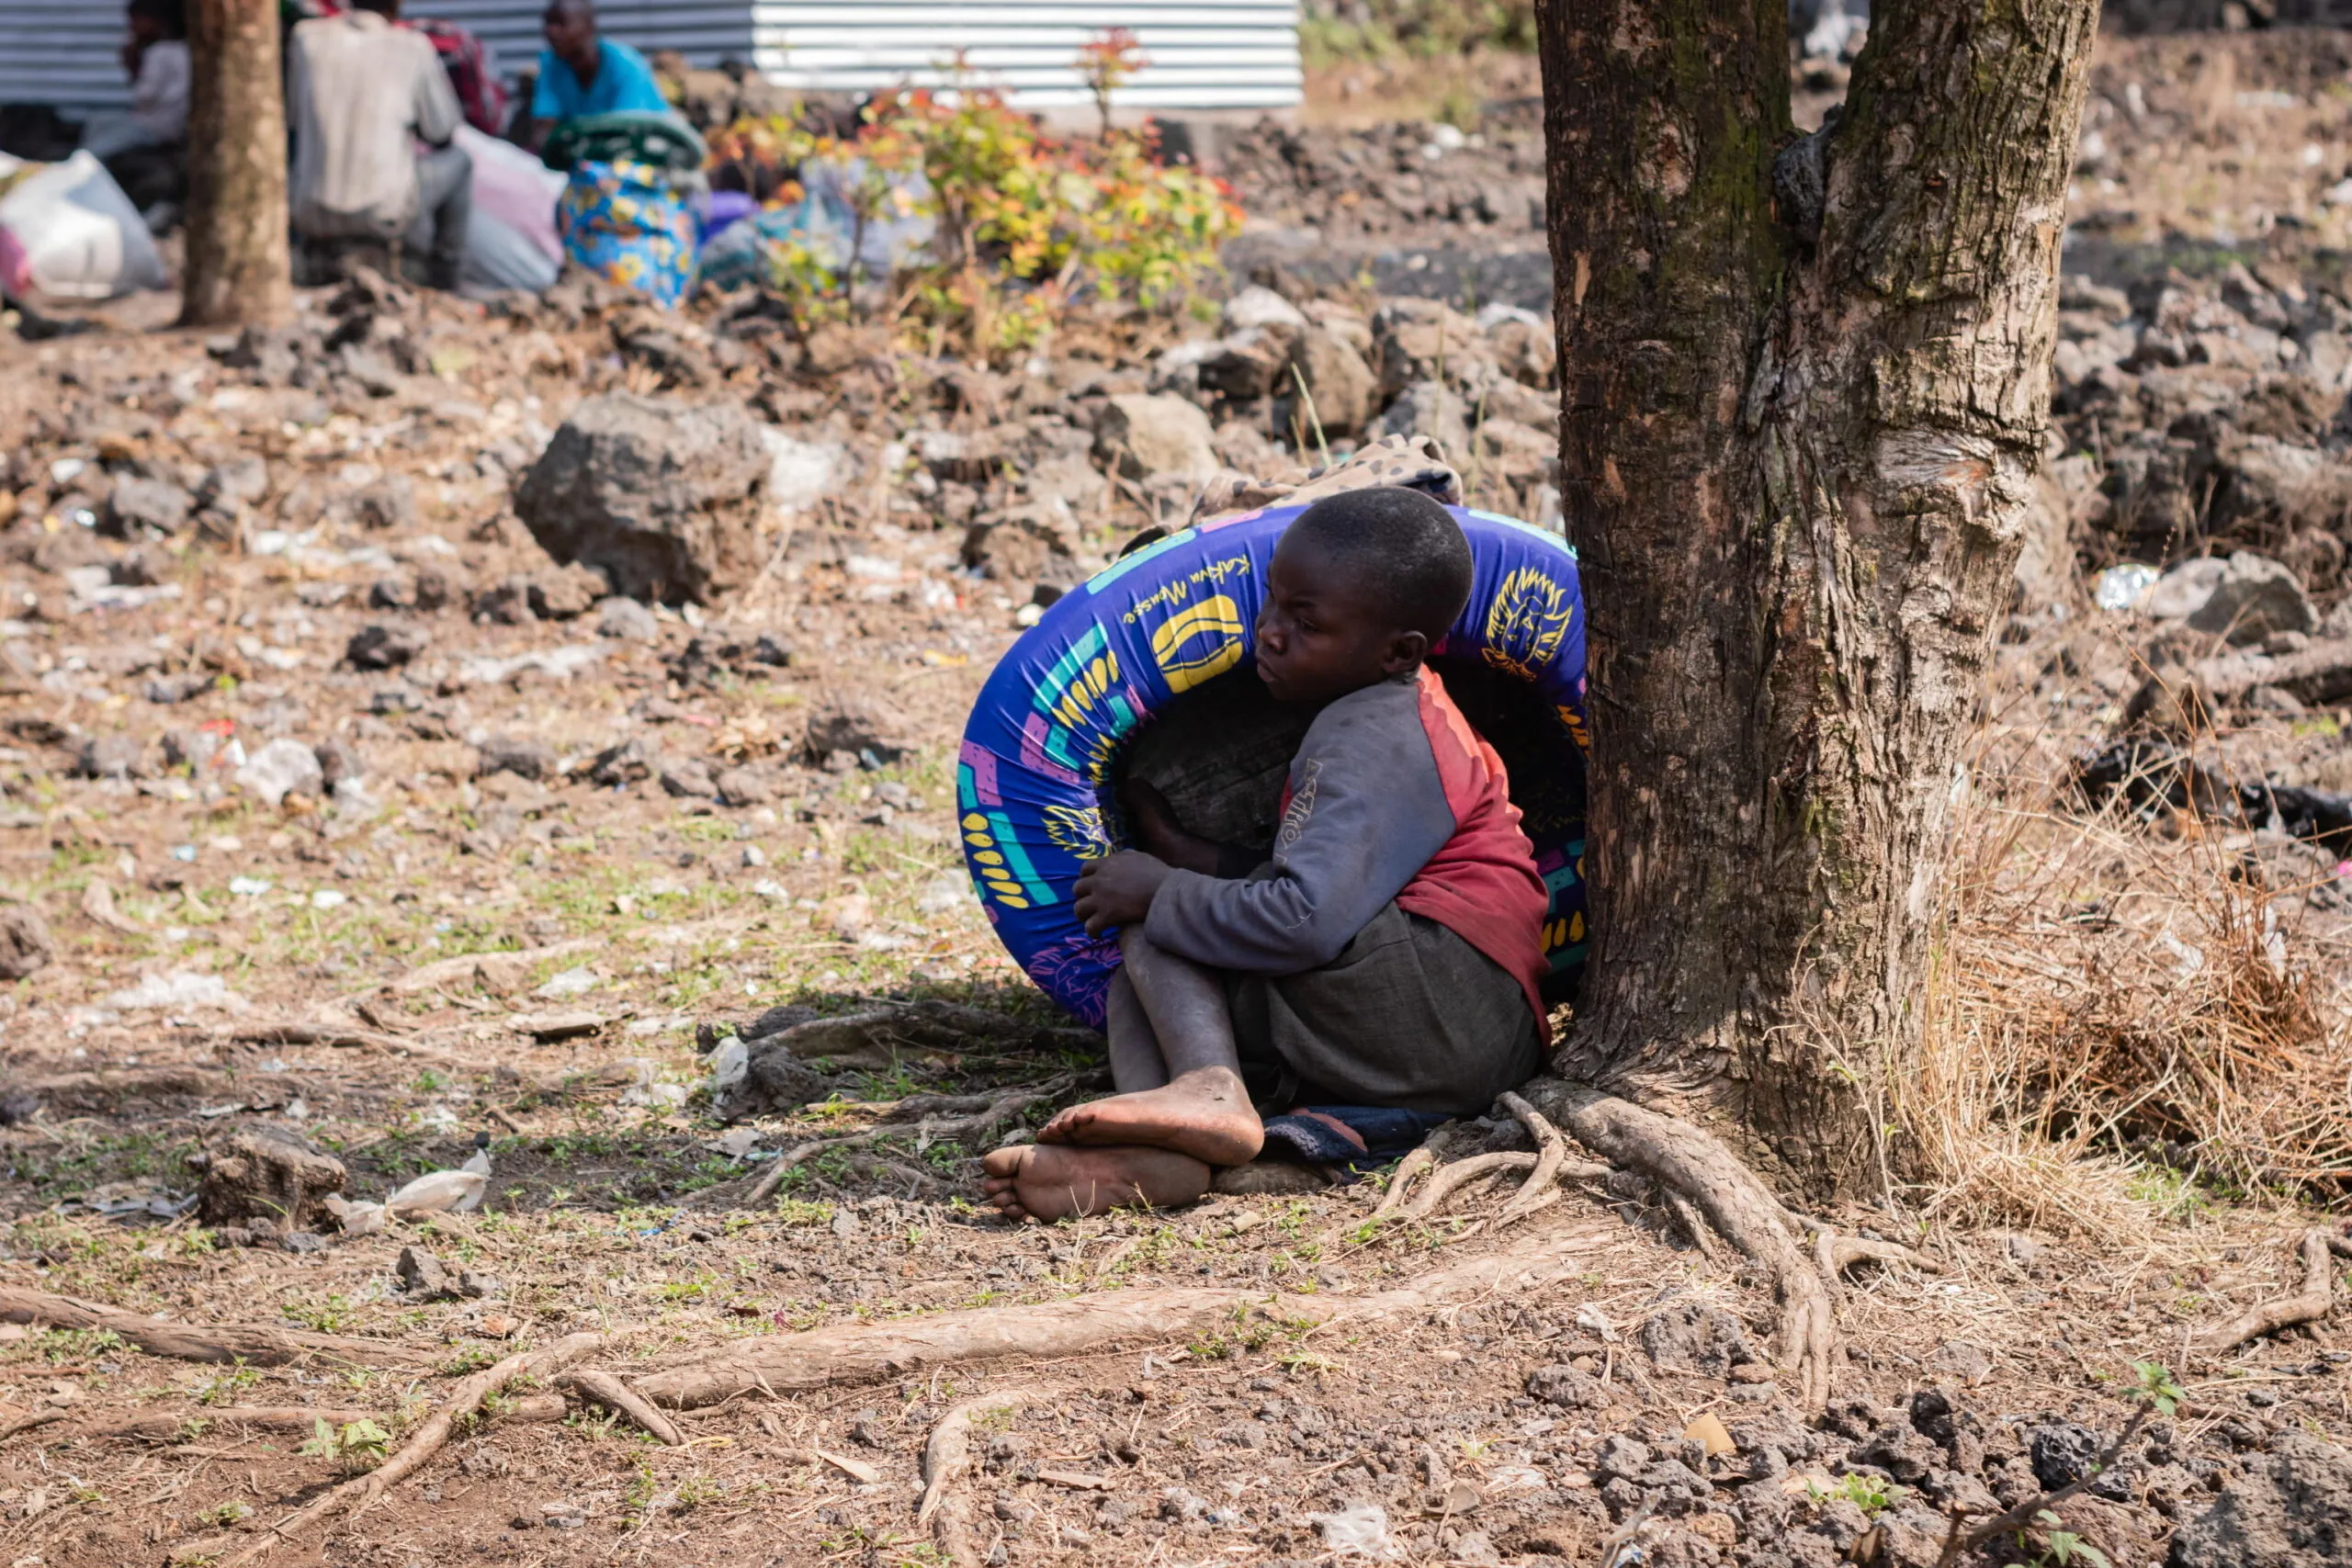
1153 822
1117 890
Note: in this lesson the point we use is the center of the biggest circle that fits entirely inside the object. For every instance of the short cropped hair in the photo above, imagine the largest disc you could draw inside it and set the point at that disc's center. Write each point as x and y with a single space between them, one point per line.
169 14
1403 551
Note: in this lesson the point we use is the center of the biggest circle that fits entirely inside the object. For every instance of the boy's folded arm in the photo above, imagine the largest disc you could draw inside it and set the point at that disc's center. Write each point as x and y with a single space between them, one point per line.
1369 810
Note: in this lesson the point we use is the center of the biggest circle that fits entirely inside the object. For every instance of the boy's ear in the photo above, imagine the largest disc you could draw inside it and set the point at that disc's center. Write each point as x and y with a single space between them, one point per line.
1405 651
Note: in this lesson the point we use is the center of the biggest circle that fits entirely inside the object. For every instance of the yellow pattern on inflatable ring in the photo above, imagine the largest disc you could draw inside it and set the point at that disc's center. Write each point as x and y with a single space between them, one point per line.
1078 830
1199 643
1526 622
992 872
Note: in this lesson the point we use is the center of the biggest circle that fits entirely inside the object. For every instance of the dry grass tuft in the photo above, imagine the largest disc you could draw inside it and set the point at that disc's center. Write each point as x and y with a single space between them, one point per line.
2114 997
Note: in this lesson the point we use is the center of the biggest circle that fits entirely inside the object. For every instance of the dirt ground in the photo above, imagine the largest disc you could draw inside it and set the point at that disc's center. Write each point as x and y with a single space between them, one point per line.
548 838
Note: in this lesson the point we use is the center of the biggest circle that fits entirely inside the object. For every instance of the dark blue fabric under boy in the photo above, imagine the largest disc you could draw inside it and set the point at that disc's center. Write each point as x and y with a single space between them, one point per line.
1357 1139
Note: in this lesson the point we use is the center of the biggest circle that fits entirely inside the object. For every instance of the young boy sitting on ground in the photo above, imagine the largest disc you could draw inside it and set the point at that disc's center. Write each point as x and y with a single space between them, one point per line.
1388 954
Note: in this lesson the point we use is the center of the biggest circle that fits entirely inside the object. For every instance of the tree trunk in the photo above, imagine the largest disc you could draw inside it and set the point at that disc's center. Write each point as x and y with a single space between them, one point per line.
237 269
1803 390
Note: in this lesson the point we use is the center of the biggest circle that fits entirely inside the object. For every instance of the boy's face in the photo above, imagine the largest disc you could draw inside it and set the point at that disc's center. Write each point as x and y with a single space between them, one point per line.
1319 635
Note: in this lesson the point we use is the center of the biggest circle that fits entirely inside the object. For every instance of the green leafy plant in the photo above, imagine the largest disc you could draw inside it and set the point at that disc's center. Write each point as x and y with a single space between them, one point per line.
1867 1492
358 1445
2061 1548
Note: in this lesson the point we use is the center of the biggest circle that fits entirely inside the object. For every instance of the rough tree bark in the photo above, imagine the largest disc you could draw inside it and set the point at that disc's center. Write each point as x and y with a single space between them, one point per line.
237 269
1805 383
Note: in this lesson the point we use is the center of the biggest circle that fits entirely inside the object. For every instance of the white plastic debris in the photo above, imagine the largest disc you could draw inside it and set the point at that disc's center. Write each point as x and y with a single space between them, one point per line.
329 898
728 1065
575 982
2125 586
283 767
357 1219
438 1192
177 989
250 886
1359 1531
1591 1319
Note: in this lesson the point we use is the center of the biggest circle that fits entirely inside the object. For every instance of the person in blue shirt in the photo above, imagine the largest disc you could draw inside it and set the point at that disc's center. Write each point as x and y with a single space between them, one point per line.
581 73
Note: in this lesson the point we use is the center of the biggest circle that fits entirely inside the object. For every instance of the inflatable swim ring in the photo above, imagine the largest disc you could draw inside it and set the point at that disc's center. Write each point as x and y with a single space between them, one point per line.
1034 778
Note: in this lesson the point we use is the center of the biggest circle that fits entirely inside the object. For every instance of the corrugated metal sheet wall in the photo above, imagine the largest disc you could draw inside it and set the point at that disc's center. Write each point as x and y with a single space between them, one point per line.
1203 53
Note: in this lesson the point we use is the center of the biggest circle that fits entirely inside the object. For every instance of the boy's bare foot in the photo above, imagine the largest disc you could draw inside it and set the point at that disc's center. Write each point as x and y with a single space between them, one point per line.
1057 1183
1204 1113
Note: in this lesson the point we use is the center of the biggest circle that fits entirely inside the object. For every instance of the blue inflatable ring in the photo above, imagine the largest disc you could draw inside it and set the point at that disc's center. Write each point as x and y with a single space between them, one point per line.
1033 779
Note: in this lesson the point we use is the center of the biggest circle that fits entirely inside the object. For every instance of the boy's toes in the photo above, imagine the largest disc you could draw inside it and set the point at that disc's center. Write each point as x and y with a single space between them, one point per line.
1003 1165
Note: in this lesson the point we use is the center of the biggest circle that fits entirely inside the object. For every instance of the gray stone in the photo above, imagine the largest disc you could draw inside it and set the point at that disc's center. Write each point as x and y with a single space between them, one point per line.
524 759
283 767
631 761
338 760
112 756
1430 409
1341 384
389 502
141 503
1145 434
665 498
383 647
262 1172
241 482
2246 598
2291 1509
744 786
1258 306
26 945
627 620
564 594
688 778
424 1277
857 725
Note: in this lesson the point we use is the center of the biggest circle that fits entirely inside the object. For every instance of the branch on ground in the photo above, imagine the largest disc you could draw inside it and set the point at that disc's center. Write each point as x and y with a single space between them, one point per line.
221 1343
361 1491
945 1461
2311 1303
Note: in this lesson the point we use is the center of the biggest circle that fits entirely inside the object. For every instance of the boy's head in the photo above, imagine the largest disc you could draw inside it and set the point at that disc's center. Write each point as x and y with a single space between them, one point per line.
1363 584
154 21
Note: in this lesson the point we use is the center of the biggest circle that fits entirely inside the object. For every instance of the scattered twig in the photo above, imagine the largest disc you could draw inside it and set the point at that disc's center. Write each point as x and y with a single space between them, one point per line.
928 1131
1957 1543
26 1423
944 1459
2313 1302
607 1390
1694 1225
361 1491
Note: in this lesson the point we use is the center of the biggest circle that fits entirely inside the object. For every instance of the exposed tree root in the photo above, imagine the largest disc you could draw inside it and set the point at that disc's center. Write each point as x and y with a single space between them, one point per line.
1834 1253
1448 1180
609 1391
2313 1302
1542 1187
362 1490
944 1459
195 1341
1692 1162
344 1037
789 1363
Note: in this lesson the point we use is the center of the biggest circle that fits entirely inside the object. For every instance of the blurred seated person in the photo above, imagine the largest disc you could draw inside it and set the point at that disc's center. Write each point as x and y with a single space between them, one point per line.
362 96
583 72
154 55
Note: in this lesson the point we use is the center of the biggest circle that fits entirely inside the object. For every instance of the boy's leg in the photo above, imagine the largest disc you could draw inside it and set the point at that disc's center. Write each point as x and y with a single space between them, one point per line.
1202 1109
1131 1154
1135 1061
